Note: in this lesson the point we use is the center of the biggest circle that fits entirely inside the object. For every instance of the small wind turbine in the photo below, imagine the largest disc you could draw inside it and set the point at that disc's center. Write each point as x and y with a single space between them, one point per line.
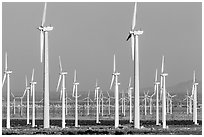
7 76
21 98
109 103
135 57
130 99
75 94
101 97
187 104
44 57
62 93
32 87
170 102
145 101
97 102
115 79
14 103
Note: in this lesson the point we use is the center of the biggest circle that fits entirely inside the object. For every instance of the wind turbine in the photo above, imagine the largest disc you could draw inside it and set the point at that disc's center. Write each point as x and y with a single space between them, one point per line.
27 89
109 103
163 85
45 59
14 103
135 57
130 99
115 79
195 84
170 102
32 87
156 89
62 93
75 94
21 98
101 98
187 106
7 76
145 100
88 102
97 102
150 103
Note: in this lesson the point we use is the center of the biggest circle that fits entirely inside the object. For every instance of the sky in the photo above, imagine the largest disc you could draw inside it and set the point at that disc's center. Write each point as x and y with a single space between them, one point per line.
87 35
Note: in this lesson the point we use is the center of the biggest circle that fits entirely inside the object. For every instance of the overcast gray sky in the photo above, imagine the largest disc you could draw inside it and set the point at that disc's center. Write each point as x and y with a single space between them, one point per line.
86 35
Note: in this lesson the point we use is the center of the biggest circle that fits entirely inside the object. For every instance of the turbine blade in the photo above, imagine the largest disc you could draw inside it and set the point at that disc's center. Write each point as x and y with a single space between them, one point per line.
156 76
112 81
129 83
4 79
95 93
114 63
60 64
44 14
12 95
133 46
32 78
73 91
41 45
26 81
59 80
128 37
75 75
61 94
88 93
24 93
96 83
31 90
134 16
6 65
194 77
162 68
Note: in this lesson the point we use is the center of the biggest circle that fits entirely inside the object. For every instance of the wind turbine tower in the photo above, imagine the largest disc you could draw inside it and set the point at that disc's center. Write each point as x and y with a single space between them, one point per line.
97 102
195 84
130 99
32 87
135 57
7 76
115 78
157 98
75 94
45 59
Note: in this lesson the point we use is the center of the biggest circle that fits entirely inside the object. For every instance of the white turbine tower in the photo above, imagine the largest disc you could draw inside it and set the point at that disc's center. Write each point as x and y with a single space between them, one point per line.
163 82
130 99
115 79
145 102
45 59
156 88
101 97
32 87
195 84
97 102
21 98
75 94
62 93
135 56
150 103
7 76
109 103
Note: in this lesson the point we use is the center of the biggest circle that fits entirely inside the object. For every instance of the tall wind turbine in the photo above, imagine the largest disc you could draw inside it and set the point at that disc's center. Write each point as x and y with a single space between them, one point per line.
97 102
45 59
27 89
130 99
7 76
32 87
63 88
163 82
115 79
195 84
75 94
156 89
134 34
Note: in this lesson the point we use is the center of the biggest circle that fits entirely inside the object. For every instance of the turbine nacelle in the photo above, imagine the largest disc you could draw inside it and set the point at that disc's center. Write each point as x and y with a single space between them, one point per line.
47 28
164 74
33 83
116 73
8 72
63 73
